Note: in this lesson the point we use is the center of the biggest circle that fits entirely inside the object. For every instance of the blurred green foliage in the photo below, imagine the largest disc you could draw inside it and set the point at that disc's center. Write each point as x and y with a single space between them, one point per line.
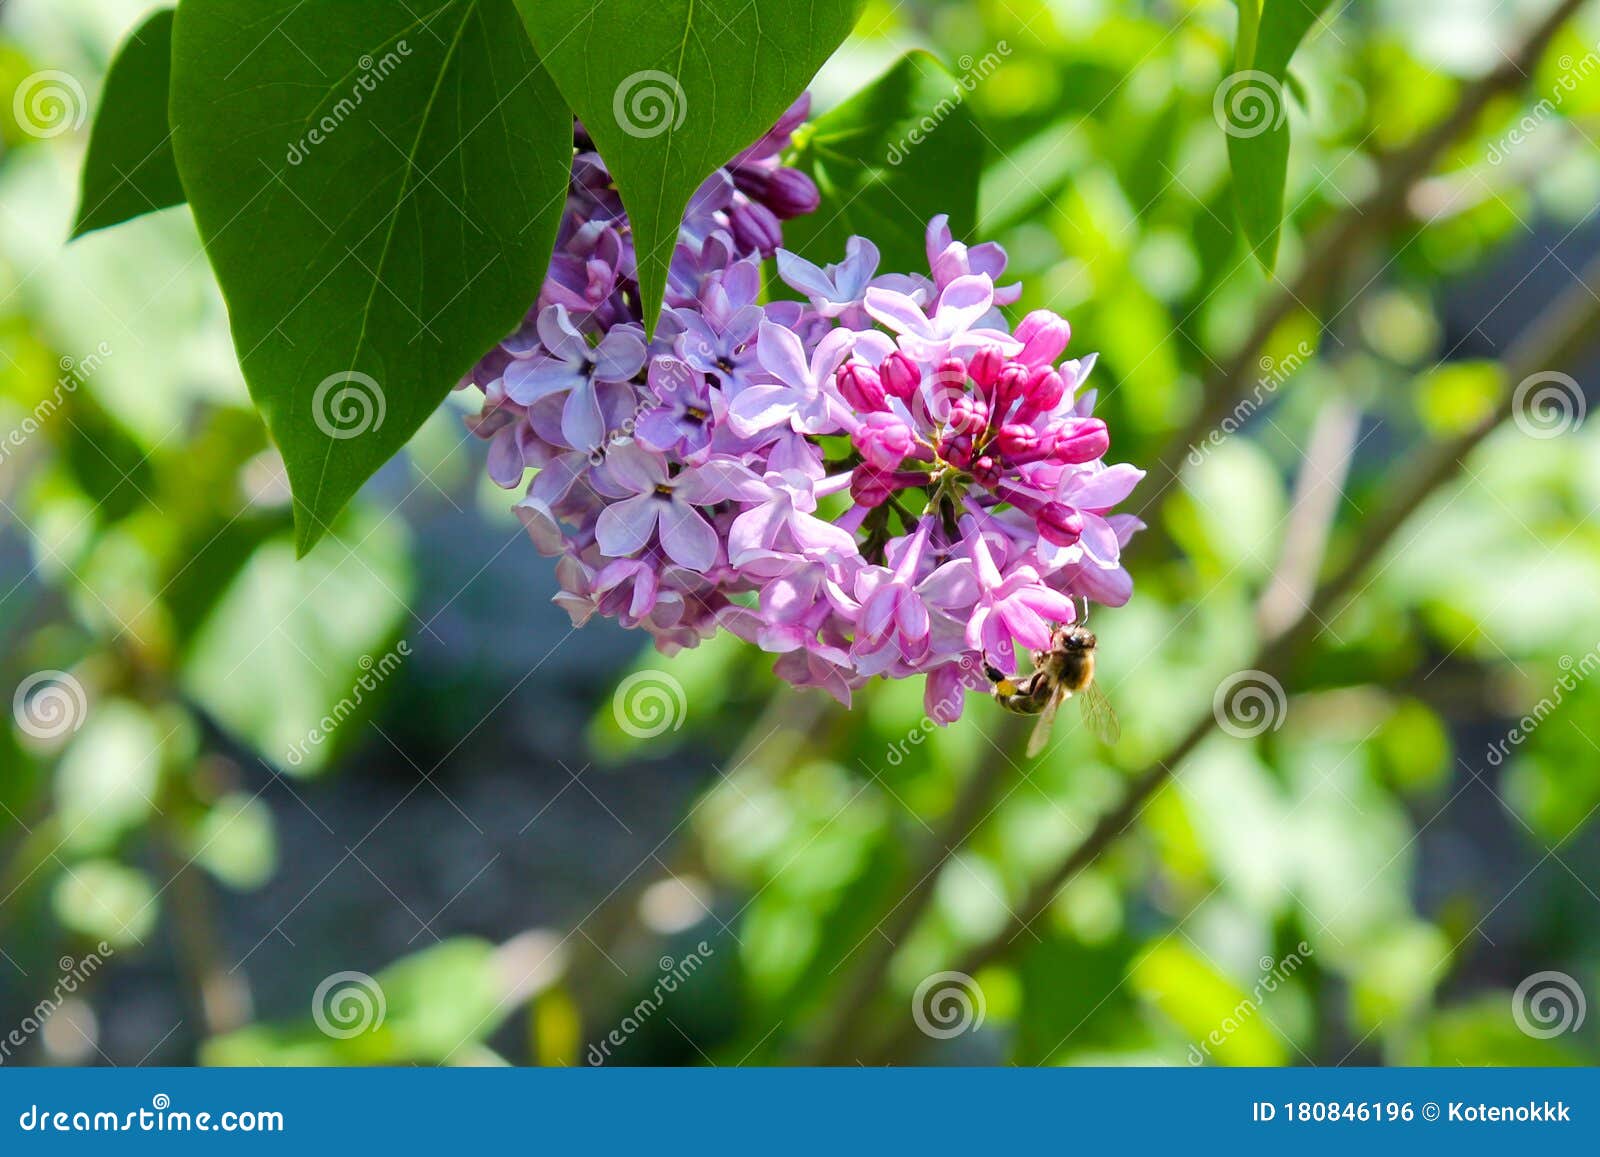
149 554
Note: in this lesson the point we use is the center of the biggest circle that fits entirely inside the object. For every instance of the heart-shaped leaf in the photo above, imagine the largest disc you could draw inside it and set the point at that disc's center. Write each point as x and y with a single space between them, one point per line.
128 170
378 187
671 89
896 154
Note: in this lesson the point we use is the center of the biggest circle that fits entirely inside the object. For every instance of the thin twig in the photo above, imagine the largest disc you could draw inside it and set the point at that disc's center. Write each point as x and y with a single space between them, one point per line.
1562 332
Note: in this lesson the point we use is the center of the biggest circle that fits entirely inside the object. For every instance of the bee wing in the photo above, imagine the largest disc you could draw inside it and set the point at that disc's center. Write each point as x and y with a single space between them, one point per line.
1041 730
1098 715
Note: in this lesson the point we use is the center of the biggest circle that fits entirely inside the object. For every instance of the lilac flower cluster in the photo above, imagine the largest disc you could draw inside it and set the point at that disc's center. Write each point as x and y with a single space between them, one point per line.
883 479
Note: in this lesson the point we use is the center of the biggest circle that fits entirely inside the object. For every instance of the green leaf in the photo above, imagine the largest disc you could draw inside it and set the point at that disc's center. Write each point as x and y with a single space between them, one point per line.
378 188
294 655
1252 108
672 89
883 173
129 169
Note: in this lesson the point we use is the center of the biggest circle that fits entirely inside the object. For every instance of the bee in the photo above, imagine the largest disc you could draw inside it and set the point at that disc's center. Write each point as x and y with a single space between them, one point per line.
1064 671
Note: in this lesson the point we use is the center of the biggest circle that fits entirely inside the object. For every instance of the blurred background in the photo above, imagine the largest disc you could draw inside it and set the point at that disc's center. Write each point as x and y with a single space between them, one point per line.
385 806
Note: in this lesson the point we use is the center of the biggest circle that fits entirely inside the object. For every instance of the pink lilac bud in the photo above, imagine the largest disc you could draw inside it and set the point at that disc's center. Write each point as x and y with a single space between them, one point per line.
949 376
900 375
1021 442
1046 388
985 365
968 416
1010 387
1058 524
884 440
1081 440
871 487
986 471
1044 335
861 387
956 449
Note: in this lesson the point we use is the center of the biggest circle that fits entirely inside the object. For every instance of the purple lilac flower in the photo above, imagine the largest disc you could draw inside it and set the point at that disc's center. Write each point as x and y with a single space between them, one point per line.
962 502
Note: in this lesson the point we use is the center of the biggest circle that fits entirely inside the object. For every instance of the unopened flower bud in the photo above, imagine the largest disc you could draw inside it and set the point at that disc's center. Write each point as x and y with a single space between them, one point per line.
900 375
1010 387
790 193
1081 440
986 471
1043 336
968 415
870 487
755 227
1021 442
956 449
1045 390
1058 524
861 387
985 365
884 440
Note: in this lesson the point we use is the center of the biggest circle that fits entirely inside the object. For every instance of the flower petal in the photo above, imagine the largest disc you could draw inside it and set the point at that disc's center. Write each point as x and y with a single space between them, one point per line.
687 538
623 528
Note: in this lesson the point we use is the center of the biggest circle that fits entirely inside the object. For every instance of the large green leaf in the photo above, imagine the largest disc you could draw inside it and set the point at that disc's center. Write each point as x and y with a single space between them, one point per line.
1252 107
671 89
378 187
897 153
129 169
